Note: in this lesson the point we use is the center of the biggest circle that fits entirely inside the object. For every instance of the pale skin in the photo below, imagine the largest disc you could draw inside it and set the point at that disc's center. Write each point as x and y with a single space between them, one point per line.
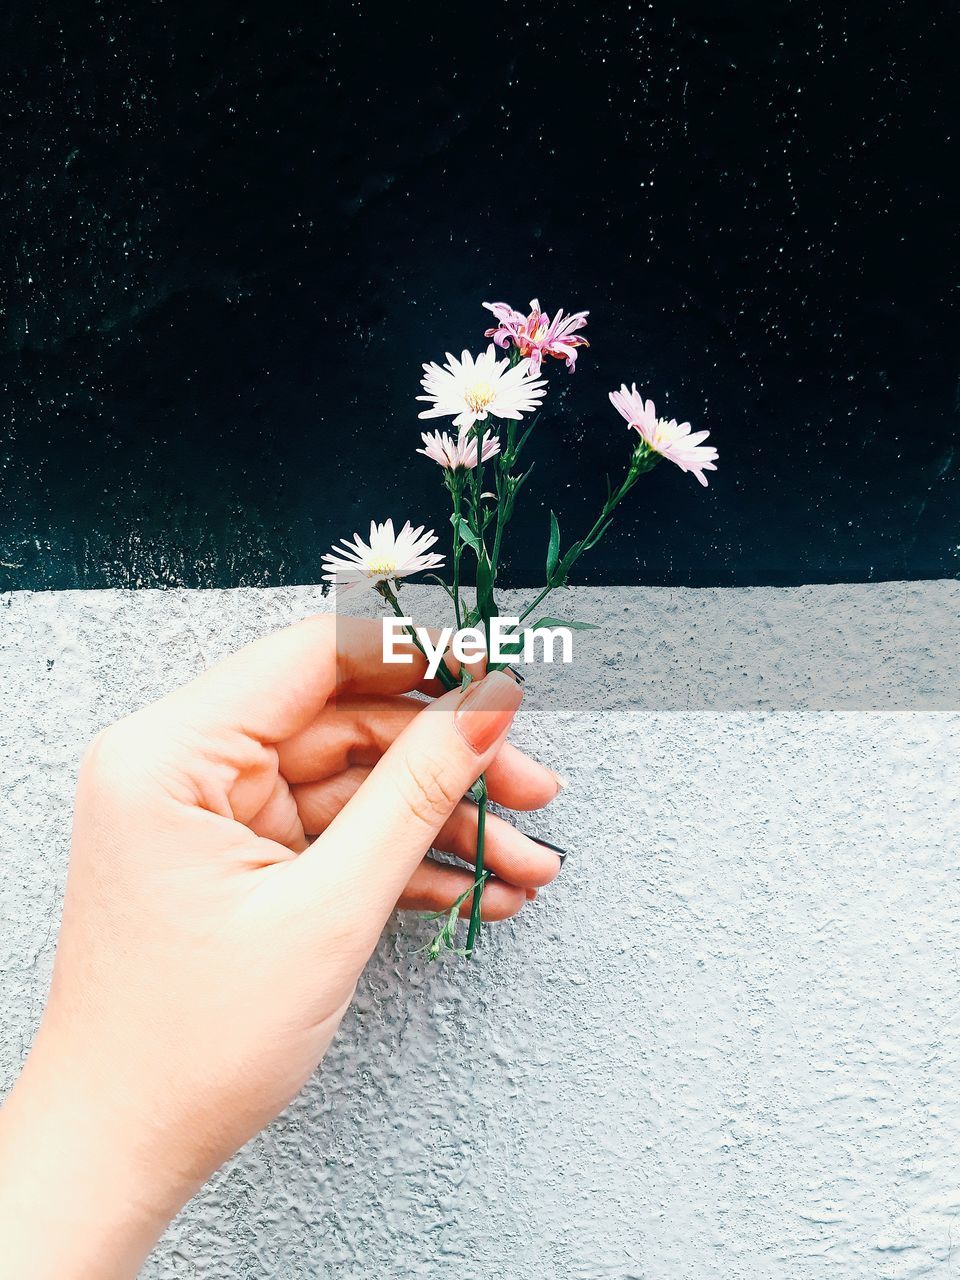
237 849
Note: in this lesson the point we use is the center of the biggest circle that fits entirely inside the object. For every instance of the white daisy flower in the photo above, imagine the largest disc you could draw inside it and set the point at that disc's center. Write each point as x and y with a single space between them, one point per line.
470 390
385 558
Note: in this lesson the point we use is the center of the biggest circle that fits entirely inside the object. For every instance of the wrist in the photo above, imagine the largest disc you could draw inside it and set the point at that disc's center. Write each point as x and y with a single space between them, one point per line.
85 1190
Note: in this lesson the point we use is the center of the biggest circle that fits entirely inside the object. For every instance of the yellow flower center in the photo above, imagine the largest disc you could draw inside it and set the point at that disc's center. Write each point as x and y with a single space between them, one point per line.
663 434
381 568
479 397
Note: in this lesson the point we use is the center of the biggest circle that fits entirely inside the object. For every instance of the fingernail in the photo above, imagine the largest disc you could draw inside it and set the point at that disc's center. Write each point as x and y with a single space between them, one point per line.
561 853
489 706
561 780
521 678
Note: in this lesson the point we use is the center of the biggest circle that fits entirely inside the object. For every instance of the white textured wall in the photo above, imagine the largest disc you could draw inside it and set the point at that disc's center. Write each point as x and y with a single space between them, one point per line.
725 1044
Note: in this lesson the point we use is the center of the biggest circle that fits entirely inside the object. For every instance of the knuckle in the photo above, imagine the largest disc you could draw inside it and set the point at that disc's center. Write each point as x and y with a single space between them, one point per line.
280 818
115 759
430 793
105 753
323 625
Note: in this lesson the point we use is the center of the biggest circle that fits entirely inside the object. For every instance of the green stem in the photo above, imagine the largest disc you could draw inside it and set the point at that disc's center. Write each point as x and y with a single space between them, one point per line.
530 607
444 675
498 535
476 478
598 524
476 475
642 461
503 498
473 929
456 493
504 511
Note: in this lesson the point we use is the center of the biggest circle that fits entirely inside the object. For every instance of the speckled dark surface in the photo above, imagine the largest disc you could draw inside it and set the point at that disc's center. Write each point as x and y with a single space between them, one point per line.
230 233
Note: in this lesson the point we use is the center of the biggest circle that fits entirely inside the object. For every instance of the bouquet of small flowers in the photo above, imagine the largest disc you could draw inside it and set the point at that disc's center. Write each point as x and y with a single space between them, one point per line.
489 398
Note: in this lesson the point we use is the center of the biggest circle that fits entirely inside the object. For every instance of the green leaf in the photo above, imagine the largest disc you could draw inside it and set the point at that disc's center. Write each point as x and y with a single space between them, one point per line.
592 542
450 913
566 564
511 647
445 939
486 606
517 482
466 533
562 622
553 548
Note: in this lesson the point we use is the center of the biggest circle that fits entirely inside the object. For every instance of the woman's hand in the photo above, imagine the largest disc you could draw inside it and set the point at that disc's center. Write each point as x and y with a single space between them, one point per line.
209 949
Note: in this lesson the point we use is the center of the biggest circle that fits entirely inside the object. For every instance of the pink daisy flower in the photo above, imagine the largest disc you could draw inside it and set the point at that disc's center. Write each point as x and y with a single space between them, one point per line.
462 452
536 335
672 440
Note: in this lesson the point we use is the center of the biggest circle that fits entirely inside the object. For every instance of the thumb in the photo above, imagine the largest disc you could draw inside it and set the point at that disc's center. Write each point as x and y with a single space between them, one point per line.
371 848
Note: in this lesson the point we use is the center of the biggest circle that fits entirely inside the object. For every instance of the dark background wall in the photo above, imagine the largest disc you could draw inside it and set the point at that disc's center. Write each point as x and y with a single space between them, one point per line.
230 234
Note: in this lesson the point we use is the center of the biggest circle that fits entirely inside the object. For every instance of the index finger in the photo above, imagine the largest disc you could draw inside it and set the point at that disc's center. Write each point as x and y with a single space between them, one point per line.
362 668
276 686
269 689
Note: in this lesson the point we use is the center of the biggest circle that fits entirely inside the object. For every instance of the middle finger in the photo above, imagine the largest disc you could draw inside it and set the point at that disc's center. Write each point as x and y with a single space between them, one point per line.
358 730
511 855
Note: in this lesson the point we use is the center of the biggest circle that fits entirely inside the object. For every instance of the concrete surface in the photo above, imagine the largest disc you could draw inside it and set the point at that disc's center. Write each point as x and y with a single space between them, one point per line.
726 1044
